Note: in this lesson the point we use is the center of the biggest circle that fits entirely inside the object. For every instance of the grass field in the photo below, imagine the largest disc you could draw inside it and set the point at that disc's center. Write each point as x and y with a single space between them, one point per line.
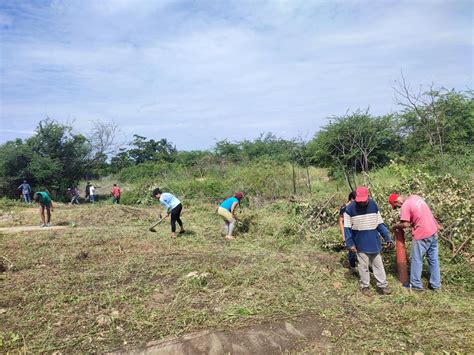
108 283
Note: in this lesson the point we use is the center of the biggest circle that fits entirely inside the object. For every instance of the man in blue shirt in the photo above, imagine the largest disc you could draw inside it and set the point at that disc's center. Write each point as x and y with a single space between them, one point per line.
25 191
173 208
363 226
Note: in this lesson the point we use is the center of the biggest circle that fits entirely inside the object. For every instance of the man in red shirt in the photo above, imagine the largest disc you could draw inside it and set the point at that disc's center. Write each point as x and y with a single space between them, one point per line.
415 213
116 194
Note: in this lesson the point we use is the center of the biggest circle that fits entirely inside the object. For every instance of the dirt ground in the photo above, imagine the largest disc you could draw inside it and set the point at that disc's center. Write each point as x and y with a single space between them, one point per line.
267 338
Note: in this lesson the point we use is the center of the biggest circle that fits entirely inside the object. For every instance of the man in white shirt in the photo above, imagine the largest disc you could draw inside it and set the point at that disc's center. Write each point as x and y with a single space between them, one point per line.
92 193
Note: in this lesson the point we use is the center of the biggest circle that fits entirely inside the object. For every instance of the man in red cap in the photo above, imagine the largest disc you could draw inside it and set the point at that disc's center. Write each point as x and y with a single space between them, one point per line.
415 213
363 226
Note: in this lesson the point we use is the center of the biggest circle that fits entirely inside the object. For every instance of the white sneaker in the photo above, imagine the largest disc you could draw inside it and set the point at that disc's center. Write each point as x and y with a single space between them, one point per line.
43 225
49 225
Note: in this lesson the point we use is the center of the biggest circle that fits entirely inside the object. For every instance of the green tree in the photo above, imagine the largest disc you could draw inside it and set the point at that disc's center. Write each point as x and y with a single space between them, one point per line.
267 144
53 159
229 151
151 150
356 142
120 161
436 121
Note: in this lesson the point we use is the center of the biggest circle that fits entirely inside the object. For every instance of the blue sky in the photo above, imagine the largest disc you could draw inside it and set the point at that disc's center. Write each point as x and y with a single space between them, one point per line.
199 71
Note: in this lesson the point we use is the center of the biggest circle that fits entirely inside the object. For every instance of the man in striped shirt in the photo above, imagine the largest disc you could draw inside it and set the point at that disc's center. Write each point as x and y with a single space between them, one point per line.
363 226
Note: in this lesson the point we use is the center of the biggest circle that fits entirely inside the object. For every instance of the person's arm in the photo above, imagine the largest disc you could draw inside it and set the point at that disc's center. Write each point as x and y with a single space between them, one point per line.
232 209
165 202
382 229
405 217
400 225
350 244
341 227
52 208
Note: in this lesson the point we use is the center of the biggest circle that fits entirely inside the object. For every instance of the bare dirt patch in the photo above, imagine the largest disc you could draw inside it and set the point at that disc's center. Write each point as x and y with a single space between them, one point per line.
266 338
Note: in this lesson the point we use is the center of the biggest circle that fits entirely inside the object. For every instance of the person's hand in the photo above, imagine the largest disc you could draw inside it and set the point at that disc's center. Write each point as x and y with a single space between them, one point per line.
390 245
353 249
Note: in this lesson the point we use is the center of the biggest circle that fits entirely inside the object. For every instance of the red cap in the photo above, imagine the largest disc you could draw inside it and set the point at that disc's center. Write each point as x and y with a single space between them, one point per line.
362 194
239 195
392 198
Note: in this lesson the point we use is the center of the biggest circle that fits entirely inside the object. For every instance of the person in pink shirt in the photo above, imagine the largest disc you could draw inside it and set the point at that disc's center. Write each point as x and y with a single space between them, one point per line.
415 213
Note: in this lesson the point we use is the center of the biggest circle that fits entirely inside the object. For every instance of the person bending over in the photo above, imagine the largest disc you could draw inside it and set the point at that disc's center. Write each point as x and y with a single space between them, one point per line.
227 211
415 213
45 203
173 208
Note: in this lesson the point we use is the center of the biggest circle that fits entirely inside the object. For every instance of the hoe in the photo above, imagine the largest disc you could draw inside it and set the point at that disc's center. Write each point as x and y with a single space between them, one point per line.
152 228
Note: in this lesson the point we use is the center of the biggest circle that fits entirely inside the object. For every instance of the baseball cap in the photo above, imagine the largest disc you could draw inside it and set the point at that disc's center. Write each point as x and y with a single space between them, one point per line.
362 194
392 198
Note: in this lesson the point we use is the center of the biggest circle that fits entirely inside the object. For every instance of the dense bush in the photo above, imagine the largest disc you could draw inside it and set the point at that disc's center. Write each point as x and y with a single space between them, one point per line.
450 199
261 179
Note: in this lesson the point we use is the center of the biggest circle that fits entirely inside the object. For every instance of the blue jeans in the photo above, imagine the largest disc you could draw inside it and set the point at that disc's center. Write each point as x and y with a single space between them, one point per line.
27 198
420 248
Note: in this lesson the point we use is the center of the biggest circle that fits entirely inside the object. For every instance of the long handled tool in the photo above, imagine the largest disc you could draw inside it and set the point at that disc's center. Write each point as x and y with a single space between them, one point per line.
152 228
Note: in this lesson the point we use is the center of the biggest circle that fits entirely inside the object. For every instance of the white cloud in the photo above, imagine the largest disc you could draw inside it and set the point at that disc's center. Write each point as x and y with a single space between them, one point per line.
199 70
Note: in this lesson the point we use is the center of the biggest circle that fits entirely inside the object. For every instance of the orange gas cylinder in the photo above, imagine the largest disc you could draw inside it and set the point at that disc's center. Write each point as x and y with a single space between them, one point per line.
401 254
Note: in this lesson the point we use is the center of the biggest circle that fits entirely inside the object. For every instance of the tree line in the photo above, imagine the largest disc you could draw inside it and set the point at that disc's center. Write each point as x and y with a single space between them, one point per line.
435 125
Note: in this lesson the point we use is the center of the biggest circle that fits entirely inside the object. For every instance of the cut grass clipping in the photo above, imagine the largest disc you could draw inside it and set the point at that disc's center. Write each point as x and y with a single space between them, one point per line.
110 284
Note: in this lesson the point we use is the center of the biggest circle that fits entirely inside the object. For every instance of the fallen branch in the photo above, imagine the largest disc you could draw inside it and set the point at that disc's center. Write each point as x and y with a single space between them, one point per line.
462 246
10 266
324 206
453 247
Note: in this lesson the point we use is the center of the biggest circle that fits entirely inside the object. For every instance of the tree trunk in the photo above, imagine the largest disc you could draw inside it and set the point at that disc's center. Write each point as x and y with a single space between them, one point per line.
294 178
308 179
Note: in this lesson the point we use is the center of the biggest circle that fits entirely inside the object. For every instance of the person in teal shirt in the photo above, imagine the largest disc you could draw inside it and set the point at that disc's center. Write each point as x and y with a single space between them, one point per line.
173 208
227 211
45 202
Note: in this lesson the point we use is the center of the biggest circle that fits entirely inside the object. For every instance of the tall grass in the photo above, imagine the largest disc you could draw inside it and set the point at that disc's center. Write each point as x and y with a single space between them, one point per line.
264 179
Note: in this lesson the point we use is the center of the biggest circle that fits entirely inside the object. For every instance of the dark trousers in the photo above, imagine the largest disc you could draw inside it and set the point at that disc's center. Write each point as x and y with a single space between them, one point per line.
26 197
175 213
352 257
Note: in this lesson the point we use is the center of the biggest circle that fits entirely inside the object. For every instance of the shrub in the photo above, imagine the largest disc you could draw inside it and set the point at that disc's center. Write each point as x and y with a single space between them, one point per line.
450 199
261 178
